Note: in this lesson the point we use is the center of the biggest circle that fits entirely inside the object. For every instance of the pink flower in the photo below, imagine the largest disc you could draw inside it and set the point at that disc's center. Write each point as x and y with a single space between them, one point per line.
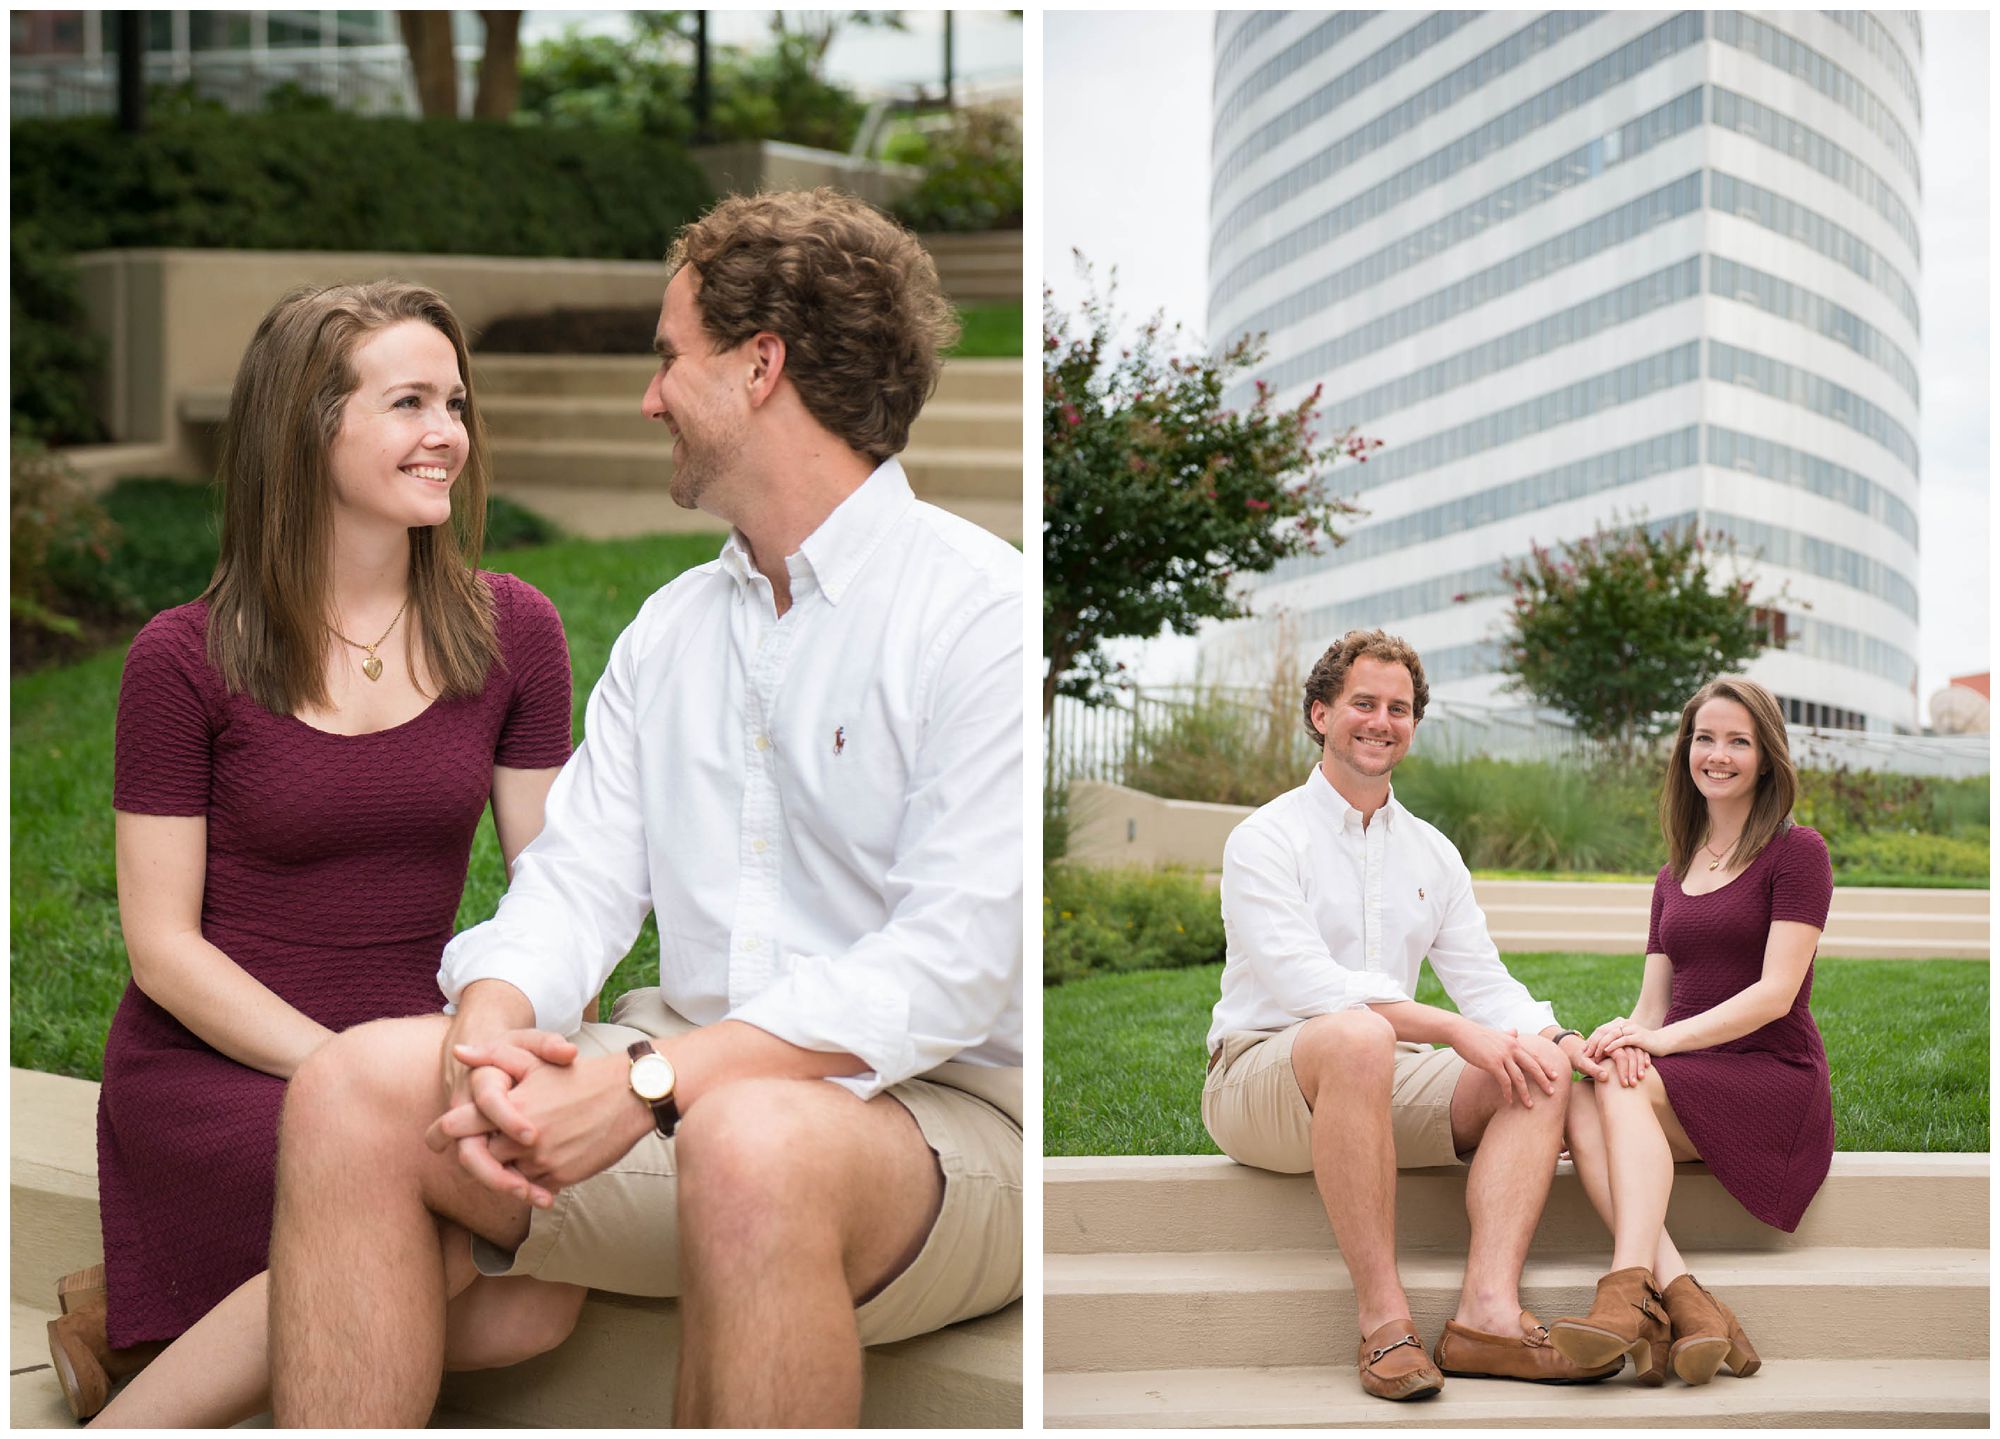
1256 504
1071 417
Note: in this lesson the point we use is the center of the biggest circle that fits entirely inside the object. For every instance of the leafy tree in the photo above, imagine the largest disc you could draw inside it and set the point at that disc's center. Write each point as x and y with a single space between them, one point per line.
645 82
1155 496
1620 629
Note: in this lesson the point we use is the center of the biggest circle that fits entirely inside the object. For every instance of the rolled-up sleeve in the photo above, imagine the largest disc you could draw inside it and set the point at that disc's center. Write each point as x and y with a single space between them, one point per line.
944 972
1467 964
581 889
1271 929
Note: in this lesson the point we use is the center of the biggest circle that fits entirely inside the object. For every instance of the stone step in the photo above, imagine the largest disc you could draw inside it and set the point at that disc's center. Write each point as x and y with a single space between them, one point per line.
989 424
1807 1394
934 474
615 1370
1842 925
1631 939
1286 1307
1152 1204
608 514
613 377
1625 896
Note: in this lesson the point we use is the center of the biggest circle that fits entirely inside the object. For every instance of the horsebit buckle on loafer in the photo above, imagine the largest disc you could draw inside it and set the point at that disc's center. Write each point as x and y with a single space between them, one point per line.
1375 1355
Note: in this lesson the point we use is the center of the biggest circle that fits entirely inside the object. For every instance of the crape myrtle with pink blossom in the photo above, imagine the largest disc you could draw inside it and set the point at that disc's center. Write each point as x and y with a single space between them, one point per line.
1621 627
1155 495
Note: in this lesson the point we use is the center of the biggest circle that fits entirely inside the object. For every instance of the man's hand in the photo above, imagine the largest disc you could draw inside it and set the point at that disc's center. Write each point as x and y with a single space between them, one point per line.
1576 1050
1518 1065
581 1118
488 1109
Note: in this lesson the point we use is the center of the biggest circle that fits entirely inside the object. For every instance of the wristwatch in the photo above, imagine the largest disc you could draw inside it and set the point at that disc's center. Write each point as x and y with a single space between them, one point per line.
652 1079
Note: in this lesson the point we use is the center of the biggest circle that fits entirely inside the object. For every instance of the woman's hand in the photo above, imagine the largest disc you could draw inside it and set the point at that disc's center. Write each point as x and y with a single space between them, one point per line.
1639 1037
1601 1037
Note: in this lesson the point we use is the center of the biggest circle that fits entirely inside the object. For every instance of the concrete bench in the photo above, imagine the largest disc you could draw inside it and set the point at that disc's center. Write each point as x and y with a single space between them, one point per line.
616 1370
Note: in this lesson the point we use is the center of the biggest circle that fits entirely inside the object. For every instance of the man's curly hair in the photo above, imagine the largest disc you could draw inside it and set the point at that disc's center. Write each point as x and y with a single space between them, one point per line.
1329 676
852 294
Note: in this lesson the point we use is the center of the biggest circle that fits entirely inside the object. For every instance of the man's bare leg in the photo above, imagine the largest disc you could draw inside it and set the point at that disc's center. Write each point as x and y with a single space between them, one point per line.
1505 1192
218 1373
1593 1170
796 1201
1345 1065
358 1285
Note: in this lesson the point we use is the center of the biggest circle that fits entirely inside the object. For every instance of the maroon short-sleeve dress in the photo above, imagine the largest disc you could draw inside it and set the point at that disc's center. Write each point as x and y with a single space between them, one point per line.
1760 1108
335 868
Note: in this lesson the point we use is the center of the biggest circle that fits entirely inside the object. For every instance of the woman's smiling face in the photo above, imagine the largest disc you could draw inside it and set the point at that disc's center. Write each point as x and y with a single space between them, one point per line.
402 438
1723 757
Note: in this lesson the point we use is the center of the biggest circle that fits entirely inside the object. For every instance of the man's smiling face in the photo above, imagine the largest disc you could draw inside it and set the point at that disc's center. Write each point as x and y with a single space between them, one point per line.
701 395
1368 727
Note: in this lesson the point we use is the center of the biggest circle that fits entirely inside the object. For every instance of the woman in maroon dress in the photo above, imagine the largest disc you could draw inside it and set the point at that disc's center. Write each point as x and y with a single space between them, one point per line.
1720 1060
303 757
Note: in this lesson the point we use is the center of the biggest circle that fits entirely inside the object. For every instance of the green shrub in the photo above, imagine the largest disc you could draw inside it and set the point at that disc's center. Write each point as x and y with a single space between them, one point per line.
53 353
1538 815
1912 857
1111 921
167 541
61 589
511 526
972 174
342 182
1222 751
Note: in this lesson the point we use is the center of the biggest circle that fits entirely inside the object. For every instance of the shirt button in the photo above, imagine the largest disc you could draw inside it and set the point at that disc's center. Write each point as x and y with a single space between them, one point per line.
763 742
750 946
758 846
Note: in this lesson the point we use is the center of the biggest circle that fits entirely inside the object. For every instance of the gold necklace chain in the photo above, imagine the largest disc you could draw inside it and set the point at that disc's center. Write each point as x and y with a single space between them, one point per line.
372 666
1716 863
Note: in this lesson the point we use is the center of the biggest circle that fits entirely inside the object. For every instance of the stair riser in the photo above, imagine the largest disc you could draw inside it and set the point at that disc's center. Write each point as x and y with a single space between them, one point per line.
631 1371
53 1234
1972 929
1240 1209
609 378
1288 1327
600 514
1746 1414
934 477
546 420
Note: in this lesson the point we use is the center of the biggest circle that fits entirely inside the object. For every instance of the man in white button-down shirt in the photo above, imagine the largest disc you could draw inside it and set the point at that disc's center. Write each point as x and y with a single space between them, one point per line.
804 758
1321 1059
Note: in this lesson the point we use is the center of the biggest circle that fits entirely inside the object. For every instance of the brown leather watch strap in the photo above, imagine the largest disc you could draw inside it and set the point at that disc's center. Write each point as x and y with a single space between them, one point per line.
667 1111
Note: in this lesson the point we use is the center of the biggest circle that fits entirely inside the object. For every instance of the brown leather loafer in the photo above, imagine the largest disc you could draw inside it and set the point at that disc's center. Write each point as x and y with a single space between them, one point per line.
1394 1366
1474 1354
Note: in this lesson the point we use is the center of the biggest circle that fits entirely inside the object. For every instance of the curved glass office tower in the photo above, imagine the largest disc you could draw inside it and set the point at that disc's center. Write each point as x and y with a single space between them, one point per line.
1584 265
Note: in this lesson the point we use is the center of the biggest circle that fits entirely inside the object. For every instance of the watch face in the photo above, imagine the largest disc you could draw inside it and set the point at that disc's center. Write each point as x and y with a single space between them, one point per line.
652 1078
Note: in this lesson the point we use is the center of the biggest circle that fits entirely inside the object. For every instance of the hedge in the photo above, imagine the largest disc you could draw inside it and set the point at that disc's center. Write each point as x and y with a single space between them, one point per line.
208 180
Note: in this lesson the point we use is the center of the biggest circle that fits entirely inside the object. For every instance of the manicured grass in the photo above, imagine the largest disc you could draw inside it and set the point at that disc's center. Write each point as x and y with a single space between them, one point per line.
1906 1041
68 964
990 332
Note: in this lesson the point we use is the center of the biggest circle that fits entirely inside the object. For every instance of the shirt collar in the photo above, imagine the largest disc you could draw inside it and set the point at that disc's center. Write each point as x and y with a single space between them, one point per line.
833 554
1344 814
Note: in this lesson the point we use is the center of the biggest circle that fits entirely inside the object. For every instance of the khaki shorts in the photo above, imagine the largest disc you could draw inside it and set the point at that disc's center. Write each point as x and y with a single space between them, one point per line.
617 1230
1257 1115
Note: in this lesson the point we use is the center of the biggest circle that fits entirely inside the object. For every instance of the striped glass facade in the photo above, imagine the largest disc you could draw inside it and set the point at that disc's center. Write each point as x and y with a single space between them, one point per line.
1586 266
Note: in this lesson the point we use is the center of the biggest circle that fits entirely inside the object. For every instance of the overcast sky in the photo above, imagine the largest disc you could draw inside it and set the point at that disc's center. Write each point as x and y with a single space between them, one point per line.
1137 198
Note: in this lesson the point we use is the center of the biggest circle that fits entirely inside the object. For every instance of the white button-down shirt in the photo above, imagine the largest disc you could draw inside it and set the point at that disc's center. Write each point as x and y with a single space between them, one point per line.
823 810
1323 914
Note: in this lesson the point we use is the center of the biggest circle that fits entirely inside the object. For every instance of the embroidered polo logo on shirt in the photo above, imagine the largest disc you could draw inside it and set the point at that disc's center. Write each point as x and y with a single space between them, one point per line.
1420 893
840 739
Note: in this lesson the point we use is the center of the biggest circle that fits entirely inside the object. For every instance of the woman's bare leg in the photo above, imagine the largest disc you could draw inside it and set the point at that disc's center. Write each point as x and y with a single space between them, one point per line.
219 1372
1642 1140
1593 1170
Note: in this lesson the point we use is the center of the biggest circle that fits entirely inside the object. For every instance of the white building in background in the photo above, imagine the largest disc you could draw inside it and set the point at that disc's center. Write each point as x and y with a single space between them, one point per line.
1579 266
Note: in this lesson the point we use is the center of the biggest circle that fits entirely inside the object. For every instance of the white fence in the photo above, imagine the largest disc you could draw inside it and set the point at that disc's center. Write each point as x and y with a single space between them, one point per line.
1086 742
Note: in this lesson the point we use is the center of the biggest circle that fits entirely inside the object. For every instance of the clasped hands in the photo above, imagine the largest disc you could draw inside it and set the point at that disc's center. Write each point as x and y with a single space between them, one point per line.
1521 1063
1628 1047
528 1118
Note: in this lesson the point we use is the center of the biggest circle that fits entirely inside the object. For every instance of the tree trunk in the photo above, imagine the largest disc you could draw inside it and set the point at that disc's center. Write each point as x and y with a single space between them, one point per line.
1058 662
500 66
427 36
131 71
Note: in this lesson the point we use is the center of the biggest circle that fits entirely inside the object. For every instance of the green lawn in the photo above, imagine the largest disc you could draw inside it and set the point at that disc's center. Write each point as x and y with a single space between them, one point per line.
68 964
1906 1041
990 332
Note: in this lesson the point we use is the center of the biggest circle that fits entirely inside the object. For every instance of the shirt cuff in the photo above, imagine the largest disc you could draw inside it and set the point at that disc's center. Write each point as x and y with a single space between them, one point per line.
474 956
865 1016
1367 986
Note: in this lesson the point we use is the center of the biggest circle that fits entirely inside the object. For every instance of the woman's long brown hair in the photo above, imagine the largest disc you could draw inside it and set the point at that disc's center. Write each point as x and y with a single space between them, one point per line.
1683 811
270 603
